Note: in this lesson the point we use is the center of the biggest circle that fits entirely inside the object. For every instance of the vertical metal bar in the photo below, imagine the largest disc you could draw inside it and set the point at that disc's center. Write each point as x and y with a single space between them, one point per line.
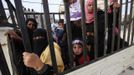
53 17
132 37
27 16
34 16
113 29
125 20
119 25
22 25
2 12
49 34
11 12
41 20
12 54
59 15
95 30
130 21
4 67
69 34
82 3
106 25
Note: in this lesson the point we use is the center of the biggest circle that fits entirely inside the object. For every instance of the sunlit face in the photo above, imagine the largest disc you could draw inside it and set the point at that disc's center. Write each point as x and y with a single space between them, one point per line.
90 7
77 49
30 25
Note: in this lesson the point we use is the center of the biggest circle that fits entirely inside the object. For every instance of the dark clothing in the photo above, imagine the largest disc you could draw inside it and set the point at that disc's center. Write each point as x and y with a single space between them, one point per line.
101 34
46 70
39 41
79 59
76 29
17 48
110 32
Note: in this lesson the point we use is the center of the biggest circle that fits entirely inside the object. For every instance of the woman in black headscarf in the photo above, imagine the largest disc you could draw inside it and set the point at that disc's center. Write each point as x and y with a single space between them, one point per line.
40 59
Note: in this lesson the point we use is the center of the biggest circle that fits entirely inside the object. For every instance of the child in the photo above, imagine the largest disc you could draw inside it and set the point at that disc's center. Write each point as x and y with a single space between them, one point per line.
60 31
78 52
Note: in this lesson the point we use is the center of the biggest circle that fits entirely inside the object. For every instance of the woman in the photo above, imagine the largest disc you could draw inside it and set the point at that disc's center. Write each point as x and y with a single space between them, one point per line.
40 59
89 7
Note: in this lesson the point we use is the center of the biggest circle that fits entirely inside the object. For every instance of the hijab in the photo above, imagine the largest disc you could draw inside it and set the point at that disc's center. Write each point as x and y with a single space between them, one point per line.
40 41
89 16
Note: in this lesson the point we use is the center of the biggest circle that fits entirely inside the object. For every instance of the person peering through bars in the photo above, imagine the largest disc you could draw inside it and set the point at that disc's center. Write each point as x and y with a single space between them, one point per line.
89 14
18 49
40 59
31 25
114 4
78 52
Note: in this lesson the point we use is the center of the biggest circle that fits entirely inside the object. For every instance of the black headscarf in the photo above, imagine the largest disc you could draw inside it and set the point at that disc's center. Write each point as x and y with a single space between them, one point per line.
39 44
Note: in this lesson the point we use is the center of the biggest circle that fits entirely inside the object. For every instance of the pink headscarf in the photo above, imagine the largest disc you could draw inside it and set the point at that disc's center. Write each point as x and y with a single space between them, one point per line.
89 16
110 1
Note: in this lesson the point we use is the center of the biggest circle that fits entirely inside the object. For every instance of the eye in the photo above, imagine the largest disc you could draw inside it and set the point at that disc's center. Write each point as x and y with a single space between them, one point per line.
74 47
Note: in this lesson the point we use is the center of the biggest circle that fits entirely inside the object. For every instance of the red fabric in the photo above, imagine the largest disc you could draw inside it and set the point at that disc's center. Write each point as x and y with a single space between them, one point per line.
81 60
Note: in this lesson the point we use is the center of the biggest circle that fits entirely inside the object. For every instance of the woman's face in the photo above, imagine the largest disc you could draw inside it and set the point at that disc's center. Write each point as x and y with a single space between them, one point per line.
77 49
30 25
90 7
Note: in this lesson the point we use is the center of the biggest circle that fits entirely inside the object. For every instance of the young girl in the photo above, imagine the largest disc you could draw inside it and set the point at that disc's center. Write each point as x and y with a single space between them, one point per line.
78 52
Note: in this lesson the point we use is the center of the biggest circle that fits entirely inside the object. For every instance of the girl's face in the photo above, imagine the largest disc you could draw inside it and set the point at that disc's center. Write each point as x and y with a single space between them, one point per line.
90 7
77 49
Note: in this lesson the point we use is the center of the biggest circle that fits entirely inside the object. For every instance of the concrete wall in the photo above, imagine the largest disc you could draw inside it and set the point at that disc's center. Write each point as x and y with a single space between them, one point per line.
112 65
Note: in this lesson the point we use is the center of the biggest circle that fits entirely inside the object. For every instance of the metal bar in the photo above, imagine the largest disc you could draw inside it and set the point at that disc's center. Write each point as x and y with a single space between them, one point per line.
34 16
59 16
106 25
4 67
49 34
69 34
12 54
2 12
83 29
113 28
11 11
125 20
130 18
95 30
119 25
41 20
128 2
26 16
22 25
54 17
132 37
